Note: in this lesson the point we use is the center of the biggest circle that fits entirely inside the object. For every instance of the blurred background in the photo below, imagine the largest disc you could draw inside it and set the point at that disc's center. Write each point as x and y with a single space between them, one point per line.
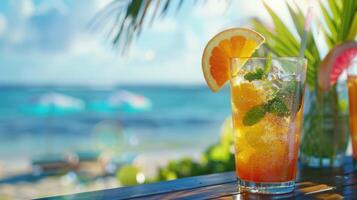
81 110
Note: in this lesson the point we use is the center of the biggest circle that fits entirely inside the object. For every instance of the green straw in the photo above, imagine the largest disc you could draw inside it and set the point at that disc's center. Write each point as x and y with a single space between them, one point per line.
306 31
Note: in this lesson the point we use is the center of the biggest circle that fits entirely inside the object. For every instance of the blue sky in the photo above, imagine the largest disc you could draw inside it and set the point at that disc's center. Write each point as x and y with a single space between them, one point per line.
49 42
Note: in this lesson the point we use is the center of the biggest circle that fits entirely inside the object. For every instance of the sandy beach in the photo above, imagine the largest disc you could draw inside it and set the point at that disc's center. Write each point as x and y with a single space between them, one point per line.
68 183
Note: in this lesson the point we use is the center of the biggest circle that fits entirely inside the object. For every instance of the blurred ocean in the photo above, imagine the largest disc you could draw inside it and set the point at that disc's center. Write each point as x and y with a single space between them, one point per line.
181 117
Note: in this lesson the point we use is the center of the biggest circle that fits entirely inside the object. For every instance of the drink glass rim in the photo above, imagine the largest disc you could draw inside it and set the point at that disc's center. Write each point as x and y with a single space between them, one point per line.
241 61
287 58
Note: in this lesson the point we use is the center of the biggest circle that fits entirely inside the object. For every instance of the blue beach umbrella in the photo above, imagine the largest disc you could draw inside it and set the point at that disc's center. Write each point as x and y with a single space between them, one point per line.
49 105
53 103
123 101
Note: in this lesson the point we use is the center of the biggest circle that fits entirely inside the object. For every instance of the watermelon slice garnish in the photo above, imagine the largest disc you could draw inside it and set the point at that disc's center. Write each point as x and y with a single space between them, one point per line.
338 59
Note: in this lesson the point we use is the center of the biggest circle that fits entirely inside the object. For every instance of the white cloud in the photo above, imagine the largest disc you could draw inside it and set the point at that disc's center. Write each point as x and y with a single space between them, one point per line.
87 44
256 8
164 25
26 8
17 36
168 52
215 16
139 54
191 40
149 55
192 50
47 5
183 68
100 4
13 23
212 8
3 24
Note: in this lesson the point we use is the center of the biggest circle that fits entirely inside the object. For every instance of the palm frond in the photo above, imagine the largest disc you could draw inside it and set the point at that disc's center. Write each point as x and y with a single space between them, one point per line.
282 42
297 19
130 18
335 8
156 11
127 19
339 17
349 11
288 38
330 22
165 8
353 31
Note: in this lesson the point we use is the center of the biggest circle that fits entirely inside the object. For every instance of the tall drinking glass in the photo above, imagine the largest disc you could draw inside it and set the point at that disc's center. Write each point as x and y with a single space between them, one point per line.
352 97
267 106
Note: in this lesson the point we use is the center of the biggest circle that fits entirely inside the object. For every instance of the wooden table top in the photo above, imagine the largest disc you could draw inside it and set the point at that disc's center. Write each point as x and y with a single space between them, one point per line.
312 184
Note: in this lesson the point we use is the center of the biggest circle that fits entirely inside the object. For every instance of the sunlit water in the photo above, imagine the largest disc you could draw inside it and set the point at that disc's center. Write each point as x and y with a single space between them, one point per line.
185 117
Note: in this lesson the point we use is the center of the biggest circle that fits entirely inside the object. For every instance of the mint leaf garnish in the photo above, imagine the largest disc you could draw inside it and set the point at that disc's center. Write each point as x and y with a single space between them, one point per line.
289 88
292 86
256 75
292 91
254 115
277 106
260 73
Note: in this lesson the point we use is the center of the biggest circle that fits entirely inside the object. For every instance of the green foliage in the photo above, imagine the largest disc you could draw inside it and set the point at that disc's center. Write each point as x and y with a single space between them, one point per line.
267 66
282 43
227 133
126 175
3 197
343 105
217 158
337 24
340 18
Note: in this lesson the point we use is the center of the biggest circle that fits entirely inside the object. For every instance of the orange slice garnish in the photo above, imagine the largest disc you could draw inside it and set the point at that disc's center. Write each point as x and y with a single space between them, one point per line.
231 43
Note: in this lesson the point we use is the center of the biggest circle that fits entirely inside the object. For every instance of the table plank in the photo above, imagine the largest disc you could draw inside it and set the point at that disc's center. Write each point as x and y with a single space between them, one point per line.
229 191
312 183
154 188
335 186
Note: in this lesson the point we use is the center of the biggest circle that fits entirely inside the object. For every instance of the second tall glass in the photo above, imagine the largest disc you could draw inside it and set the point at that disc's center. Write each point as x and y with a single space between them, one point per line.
267 106
352 96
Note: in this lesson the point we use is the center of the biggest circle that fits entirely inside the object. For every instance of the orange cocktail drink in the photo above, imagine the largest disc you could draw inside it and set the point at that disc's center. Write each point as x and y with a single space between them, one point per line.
352 95
267 106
